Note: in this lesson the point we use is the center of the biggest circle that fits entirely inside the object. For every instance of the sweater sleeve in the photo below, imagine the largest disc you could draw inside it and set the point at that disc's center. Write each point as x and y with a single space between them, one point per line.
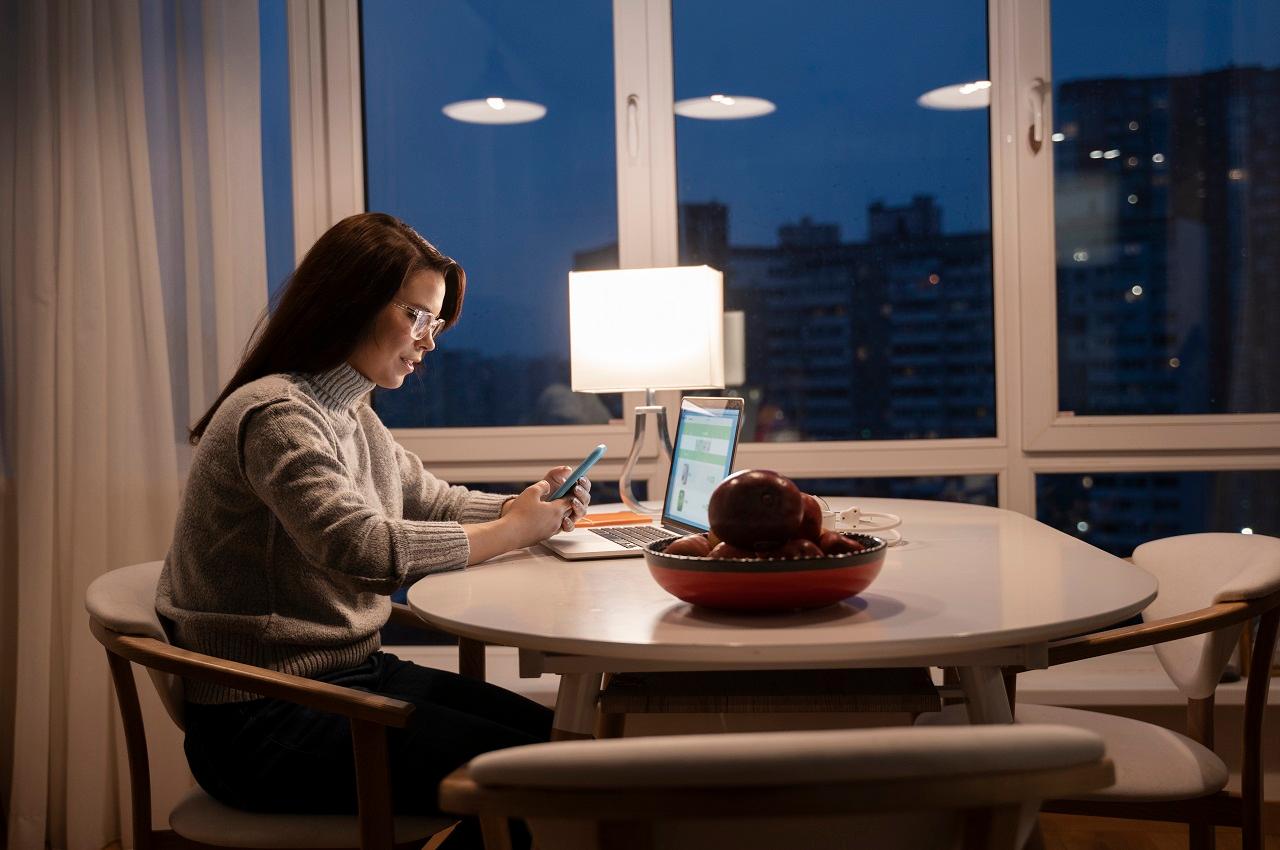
428 498
291 465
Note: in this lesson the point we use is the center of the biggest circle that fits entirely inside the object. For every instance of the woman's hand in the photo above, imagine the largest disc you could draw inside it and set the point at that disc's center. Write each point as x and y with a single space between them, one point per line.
532 518
578 498
529 518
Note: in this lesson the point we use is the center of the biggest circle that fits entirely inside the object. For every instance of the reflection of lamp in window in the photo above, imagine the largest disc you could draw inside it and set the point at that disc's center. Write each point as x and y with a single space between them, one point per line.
646 329
973 95
735 348
496 106
724 107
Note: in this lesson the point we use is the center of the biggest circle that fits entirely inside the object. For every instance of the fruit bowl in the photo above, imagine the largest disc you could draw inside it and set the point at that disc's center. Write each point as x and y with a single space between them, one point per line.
767 584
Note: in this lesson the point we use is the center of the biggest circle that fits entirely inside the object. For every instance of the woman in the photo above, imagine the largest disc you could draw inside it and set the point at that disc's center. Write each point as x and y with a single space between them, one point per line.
302 515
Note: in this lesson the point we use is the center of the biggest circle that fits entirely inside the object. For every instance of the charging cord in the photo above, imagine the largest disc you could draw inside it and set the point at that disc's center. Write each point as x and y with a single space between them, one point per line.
855 519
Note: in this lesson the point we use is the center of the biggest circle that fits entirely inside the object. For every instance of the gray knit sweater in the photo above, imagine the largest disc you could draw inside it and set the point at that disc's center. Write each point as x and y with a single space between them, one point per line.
300 516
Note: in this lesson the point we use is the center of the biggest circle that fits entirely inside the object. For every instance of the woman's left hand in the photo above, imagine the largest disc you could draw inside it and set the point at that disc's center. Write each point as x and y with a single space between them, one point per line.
577 500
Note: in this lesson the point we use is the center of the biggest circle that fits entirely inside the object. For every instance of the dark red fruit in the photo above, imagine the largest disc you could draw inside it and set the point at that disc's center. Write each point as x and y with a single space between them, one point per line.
693 544
834 543
728 550
756 509
811 524
799 548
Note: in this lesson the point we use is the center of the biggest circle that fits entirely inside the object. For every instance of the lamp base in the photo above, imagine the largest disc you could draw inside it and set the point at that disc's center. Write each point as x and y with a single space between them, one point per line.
624 482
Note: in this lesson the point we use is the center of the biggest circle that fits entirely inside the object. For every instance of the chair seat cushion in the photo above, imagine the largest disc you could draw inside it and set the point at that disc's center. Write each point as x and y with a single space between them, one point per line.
1152 763
759 759
199 817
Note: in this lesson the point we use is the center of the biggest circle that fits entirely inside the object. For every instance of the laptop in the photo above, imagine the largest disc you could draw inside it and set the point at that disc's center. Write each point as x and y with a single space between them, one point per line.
706 441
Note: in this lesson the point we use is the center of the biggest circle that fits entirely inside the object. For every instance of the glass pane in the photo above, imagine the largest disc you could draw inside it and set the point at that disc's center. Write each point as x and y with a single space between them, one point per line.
277 150
1167 185
974 489
852 222
1121 510
519 205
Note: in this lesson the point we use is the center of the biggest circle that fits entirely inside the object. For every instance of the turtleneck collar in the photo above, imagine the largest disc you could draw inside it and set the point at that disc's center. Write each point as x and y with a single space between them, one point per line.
341 387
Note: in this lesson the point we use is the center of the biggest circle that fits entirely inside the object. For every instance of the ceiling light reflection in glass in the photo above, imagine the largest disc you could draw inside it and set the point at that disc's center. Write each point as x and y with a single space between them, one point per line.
724 107
494 110
971 95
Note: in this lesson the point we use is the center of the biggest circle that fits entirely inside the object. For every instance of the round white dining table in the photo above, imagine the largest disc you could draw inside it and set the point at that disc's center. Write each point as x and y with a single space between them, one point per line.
971 587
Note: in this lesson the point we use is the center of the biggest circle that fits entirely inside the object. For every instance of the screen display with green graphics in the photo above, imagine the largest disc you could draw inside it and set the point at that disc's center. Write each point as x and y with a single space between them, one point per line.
703 454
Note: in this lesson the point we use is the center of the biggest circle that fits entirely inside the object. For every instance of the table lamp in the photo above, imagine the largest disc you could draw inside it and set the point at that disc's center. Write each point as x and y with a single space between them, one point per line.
646 329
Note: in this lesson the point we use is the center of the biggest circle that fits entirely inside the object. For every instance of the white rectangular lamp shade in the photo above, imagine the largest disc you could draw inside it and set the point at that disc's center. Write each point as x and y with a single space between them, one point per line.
636 329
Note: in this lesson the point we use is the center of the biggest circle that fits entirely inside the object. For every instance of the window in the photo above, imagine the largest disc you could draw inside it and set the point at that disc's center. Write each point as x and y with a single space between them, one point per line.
277 155
1119 511
1031 356
519 205
1167 202
974 489
852 222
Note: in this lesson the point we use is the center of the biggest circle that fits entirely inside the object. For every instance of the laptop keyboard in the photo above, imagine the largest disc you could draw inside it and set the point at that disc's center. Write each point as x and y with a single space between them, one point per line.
633 536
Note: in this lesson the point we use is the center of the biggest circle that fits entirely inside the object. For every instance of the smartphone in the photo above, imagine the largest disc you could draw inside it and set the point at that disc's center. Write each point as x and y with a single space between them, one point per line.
567 486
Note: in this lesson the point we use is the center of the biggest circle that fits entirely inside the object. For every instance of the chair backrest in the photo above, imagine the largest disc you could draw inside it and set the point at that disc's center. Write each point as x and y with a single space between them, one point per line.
1196 571
124 601
886 788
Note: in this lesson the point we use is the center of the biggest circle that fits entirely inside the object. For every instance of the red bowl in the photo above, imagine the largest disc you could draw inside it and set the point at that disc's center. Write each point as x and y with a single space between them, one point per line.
769 584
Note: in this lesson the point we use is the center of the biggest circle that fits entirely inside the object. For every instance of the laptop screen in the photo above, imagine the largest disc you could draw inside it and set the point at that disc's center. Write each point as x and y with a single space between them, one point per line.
702 457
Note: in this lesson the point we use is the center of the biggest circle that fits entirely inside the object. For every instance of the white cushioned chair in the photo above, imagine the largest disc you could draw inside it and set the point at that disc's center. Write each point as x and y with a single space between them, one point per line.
1211 586
123 618
898 787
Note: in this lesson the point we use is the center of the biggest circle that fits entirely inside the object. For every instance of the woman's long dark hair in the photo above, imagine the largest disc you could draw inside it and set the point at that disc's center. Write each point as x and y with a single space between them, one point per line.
333 297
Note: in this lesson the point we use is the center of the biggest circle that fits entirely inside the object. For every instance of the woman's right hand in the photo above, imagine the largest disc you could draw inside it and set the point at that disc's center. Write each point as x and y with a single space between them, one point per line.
525 520
533 519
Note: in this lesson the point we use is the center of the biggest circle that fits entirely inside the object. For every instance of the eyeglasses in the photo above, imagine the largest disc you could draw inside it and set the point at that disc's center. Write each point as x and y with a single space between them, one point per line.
424 323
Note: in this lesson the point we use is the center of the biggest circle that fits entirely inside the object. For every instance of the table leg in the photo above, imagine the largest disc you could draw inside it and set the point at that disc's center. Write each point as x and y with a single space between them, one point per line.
576 706
987 698
989 703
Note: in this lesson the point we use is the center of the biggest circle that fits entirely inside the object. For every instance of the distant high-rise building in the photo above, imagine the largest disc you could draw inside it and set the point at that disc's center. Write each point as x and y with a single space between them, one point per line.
883 339
920 219
805 235
1167 211
1168 254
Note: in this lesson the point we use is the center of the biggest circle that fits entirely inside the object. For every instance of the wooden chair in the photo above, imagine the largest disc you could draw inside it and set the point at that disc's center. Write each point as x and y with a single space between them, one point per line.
1211 586
901 787
123 618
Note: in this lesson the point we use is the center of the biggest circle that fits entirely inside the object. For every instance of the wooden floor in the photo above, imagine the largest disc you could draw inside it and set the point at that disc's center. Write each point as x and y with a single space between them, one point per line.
1070 832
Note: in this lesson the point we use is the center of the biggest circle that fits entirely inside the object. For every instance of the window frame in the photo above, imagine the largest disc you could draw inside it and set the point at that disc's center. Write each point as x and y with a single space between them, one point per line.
1032 436
1045 427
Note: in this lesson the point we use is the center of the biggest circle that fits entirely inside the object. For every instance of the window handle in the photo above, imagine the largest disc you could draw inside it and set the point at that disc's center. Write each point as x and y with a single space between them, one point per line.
1035 98
633 126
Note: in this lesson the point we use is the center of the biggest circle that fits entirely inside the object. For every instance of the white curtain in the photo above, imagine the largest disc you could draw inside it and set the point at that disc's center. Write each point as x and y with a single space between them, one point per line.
132 269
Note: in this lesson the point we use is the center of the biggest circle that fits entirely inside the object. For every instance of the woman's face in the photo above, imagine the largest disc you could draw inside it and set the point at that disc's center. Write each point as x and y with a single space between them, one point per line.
389 352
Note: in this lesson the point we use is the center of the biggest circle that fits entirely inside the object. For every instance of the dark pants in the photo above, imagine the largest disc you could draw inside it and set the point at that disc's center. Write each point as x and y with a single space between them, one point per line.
269 755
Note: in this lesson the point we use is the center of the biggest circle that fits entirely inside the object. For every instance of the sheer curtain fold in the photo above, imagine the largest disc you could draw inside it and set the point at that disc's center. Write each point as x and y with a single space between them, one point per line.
93 458
218 63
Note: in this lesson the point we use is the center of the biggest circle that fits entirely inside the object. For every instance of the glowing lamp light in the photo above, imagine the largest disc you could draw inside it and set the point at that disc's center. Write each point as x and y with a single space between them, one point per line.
624 335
